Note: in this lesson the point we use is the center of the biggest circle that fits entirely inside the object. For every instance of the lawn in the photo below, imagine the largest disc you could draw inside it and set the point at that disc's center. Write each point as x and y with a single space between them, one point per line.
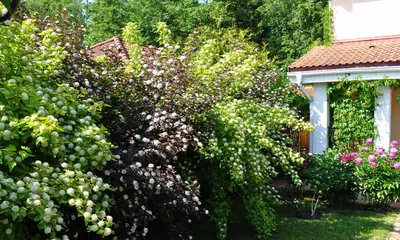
334 225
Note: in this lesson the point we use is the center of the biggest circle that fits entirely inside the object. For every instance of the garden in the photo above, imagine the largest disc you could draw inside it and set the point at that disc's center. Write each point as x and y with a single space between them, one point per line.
183 139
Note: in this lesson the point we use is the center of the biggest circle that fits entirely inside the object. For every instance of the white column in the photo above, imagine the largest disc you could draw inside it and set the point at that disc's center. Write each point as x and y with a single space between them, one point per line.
319 116
383 116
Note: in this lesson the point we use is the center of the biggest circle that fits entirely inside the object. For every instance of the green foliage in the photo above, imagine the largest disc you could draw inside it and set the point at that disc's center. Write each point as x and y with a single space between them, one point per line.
106 19
292 27
247 141
164 33
353 104
50 141
182 17
52 7
225 86
328 26
378 174
289 28
328 176
133 38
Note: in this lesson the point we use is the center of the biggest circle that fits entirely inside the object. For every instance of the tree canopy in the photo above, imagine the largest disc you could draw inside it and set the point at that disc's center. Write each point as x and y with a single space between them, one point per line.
52 7
289 28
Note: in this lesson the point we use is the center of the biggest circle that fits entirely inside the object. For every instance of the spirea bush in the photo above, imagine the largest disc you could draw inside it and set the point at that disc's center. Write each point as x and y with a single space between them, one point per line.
248 141
146 122
377 171
159 102
51 142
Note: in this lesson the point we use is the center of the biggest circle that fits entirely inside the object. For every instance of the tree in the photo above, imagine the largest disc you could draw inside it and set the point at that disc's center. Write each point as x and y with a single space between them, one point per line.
106 19
52 7
289 28
292 27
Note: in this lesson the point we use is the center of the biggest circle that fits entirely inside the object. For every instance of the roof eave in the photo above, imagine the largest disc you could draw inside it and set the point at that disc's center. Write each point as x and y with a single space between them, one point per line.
335 75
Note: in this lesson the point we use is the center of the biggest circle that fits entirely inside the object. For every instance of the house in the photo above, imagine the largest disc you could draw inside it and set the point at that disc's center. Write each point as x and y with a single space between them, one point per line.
118 44
99 49
367 45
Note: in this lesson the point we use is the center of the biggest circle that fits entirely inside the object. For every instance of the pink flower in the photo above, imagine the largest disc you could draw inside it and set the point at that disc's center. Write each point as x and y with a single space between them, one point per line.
394 150
305 164
354 154
392 155
368 141
343 159
379 151
366 149
358 160
371 158
394 143
396 165
374 164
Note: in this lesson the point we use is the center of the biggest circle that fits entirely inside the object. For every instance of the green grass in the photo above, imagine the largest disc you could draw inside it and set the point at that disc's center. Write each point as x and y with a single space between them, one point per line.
335 224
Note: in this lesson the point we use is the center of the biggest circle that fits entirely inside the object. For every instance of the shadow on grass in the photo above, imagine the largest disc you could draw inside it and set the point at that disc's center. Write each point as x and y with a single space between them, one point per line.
335 224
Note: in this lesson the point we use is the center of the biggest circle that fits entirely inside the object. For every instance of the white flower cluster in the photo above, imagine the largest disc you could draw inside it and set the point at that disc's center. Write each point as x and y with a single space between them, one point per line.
53 139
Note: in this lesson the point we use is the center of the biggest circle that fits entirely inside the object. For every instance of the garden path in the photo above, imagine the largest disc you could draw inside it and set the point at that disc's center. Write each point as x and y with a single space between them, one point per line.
395 234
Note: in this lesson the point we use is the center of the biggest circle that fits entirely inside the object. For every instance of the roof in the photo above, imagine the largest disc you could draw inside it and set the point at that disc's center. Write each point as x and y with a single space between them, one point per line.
351 54
100 48
309 89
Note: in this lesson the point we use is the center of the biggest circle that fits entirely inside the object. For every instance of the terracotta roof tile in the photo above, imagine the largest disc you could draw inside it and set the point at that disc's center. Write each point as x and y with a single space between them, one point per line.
309 89
148 52
99 48
362 53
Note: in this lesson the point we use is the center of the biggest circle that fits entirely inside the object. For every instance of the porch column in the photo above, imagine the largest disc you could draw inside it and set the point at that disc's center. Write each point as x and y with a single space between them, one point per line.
383 116
319 116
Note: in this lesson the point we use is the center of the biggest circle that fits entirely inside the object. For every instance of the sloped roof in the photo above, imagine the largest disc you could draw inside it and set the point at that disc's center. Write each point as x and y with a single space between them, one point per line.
99 48
351 54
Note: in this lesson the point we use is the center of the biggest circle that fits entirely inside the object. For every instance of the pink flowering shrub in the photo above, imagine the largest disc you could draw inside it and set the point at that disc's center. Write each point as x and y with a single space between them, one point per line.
377 172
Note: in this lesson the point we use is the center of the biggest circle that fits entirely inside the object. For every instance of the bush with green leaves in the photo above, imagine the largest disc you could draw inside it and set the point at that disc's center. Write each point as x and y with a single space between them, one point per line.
378 172
248 141
164 96
329 177
161 100
51 142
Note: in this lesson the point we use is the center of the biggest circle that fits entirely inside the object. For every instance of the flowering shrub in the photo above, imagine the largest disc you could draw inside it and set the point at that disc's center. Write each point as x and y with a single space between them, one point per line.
158 104
159 100
329 177
147 125
377 171
247 142
50 140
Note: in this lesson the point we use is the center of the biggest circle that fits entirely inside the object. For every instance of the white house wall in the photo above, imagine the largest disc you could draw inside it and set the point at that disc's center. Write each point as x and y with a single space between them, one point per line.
355 19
